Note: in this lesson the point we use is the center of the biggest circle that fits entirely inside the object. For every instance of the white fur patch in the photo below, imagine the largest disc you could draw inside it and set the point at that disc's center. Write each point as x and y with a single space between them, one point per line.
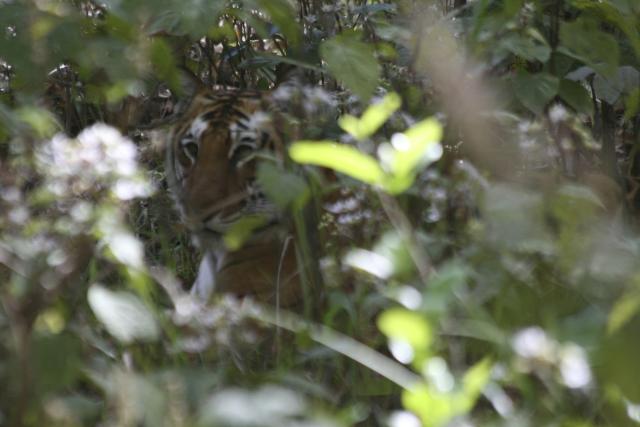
198 126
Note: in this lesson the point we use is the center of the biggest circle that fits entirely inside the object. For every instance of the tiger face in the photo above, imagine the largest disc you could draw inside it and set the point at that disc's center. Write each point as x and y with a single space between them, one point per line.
211 162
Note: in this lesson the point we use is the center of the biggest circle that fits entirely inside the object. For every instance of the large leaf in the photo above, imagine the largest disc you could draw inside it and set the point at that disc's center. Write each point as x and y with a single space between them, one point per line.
527 47
617 13
623 82
574 94
535 91
284 16
584 40
353 63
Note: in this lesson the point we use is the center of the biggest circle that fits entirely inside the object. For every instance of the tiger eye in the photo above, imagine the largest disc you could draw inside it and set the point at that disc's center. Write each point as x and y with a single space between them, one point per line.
191 150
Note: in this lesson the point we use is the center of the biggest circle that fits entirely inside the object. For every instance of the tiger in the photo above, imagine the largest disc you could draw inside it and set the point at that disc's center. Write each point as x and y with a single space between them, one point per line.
211 163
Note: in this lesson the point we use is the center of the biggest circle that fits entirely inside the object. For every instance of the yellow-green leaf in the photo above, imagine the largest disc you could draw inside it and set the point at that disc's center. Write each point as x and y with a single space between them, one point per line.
475 380
341 158
409 326
372 118
241 230
623 310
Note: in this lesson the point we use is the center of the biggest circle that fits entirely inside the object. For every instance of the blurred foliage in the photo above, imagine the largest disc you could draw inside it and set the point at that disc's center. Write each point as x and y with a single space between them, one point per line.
477 167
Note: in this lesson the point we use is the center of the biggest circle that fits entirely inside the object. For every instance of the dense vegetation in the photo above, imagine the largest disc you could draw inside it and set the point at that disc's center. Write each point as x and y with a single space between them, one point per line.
477 230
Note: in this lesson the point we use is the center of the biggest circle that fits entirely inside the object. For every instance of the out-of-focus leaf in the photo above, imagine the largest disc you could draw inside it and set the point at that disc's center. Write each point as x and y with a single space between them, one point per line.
126 248
399 324
436 408
535 91
632 105
74 410
606 90
574 94
584 40
580 73
125 316
418 147
516 219
474 381
369 261
623 82
242 229
262 59
281 187
408 152
624 309
527 46
284 16
616 13
353 62
269 406
146 403
40 120
57 362
392 247
373 117
342 158
618 358
164 63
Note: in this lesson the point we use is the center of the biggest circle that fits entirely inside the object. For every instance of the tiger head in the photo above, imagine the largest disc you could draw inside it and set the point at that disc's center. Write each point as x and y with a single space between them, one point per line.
211 160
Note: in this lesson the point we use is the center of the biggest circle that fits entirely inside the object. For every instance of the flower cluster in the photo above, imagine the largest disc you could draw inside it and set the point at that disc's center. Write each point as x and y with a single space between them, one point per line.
100 157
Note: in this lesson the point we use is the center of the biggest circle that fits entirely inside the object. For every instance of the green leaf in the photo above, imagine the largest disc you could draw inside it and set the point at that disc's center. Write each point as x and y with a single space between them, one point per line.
40 120
407 326
341 158
617 13
284 16
371 120
434 409
525 46
281 187
353 63
575 94
418 147
242 230
124 315
421 138
623 310
56 361
632 104
164 63
584 40
535 91
475 379
437 408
